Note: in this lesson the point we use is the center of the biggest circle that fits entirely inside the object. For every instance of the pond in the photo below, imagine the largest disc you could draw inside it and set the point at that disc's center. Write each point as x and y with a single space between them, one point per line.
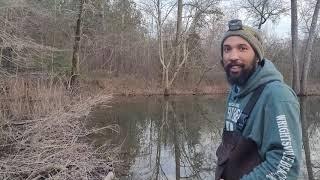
176 138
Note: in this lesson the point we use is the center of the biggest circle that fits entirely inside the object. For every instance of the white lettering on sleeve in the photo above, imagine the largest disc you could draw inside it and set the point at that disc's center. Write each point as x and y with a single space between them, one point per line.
288 157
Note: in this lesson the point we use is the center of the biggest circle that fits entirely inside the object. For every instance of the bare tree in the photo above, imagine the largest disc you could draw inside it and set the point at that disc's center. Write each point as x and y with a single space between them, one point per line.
294 41
76 48
202 8
166 55
305 13
174 51
308 51
262 10
203 13
178 32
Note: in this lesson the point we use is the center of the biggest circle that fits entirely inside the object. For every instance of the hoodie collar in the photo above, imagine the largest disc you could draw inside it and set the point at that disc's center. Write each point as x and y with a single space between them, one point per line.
264 73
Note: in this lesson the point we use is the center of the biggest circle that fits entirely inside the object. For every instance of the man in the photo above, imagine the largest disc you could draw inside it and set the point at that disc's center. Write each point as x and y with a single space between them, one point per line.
262 133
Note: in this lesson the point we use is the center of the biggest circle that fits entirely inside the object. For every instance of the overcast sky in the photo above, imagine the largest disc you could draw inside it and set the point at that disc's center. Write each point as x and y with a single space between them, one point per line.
280 29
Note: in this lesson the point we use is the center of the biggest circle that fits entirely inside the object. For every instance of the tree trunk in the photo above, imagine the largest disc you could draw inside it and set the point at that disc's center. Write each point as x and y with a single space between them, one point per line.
167 86
158 155
103 16
305 135
176 141
7 59
294 46
166 62
165 70
180 65
262 19
307 55
74 82
178 34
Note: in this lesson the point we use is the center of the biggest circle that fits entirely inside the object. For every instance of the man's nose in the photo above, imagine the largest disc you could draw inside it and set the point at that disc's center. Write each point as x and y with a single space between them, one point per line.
234 55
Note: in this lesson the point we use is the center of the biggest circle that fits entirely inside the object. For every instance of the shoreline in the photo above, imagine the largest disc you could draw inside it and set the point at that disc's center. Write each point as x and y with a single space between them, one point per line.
132 87
48 104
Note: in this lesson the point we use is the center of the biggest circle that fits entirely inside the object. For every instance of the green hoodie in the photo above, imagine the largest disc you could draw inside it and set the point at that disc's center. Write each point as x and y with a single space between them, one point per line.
273 123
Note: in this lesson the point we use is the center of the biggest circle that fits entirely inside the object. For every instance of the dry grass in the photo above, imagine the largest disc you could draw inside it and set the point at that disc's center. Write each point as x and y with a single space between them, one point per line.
31 97
42 133
314 88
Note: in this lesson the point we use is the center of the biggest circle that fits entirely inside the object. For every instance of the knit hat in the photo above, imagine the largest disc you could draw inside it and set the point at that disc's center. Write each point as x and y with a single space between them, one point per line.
249 34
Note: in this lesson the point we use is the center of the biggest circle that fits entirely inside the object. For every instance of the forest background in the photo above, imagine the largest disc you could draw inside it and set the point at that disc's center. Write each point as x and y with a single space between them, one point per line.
57 55
143 47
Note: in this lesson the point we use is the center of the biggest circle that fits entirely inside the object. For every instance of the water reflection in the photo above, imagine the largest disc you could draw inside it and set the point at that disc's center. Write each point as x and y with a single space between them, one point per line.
310 132
177 138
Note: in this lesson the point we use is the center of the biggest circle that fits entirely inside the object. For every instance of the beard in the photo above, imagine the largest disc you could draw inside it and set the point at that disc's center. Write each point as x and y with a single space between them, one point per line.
241 78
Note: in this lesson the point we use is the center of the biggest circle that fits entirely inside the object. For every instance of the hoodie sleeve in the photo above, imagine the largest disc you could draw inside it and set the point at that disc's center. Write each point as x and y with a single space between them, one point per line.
279 136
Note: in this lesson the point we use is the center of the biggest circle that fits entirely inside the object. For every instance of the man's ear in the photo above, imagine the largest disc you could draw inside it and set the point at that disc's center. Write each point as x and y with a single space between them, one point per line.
261 62
257 60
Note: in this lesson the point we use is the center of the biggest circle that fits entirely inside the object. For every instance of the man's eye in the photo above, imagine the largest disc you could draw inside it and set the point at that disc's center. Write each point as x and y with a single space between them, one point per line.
243 48
226 49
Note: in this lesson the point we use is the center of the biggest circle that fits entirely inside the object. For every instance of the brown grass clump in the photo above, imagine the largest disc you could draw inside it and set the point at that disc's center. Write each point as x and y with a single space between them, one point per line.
42 133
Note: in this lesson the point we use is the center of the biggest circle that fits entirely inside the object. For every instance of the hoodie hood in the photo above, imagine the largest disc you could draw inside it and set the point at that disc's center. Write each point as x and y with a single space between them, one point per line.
264 73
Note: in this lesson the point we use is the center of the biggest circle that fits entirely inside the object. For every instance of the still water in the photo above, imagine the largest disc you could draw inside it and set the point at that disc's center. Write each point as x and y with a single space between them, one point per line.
176 138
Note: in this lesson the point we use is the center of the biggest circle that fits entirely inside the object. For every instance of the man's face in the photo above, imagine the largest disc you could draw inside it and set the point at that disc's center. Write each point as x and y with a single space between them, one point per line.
239 60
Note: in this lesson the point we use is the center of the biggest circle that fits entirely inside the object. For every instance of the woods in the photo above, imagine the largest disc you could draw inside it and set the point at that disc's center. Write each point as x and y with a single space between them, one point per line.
172 44
56 54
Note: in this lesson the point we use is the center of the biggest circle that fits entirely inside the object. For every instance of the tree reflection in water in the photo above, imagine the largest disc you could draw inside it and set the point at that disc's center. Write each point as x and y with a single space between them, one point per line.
182 136
309 109
176 138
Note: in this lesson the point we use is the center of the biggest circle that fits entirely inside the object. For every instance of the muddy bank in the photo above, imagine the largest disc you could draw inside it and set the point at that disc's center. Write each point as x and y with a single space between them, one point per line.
135 86
138 87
